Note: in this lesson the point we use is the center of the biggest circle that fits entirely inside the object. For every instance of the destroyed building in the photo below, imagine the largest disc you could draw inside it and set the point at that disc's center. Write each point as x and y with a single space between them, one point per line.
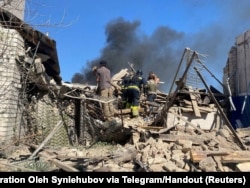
236 78
29 63
33 98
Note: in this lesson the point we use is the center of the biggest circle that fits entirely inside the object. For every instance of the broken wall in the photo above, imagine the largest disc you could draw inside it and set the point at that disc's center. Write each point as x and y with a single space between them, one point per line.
229 72
11 46
207 121
16 7
237 70
243 63
22 113
237 67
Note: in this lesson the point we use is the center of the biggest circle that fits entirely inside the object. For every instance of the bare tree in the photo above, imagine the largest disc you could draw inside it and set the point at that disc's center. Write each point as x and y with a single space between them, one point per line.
37 14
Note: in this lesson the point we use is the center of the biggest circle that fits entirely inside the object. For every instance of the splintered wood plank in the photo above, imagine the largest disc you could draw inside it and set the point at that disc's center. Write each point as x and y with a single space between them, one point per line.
243 131
236 157
47 155
197 156
201 109
206 109
226 156
187 102
195 104
162 130
197 140
219 165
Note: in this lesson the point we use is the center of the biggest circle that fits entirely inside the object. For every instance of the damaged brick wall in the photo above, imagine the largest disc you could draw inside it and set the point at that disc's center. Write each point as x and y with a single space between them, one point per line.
24 115
12 45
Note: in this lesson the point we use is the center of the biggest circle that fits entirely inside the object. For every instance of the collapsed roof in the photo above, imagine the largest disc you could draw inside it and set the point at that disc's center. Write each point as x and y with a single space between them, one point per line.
43 46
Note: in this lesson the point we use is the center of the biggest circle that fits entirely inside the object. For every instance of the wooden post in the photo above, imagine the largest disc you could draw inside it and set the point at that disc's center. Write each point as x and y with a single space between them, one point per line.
221 111
170 103
57 127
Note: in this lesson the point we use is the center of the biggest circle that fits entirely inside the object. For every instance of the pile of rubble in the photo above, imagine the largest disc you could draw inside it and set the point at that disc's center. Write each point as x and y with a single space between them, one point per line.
150 149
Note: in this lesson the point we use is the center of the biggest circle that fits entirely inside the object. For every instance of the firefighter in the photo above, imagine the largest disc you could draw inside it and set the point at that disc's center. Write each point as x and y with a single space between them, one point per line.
136 86
124 87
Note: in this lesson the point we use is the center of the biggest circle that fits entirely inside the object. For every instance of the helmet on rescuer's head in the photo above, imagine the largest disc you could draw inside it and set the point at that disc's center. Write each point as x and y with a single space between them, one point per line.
139 72
103 63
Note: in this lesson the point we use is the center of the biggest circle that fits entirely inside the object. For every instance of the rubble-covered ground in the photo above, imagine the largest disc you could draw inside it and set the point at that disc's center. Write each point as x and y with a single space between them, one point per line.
149 149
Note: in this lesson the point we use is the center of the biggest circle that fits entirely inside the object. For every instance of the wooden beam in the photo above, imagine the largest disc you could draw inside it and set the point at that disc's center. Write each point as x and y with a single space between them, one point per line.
51 134
236 157
229 125
47 156
197 156
194 104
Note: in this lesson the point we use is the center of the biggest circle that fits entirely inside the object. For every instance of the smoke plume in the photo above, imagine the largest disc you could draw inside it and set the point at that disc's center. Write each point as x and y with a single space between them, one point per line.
161 51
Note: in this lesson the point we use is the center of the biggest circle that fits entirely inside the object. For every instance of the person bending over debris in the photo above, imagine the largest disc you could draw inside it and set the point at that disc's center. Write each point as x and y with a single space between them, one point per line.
106 91
136 85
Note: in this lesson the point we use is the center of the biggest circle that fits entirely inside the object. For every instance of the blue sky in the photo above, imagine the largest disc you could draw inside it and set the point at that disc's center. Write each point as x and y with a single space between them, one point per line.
78 26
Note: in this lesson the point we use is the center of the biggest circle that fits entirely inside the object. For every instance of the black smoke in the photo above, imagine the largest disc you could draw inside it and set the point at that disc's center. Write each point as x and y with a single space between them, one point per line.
158 52
161 51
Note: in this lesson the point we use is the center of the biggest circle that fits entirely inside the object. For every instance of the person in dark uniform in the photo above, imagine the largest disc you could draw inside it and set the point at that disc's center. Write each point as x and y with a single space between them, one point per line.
124 90
136 86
